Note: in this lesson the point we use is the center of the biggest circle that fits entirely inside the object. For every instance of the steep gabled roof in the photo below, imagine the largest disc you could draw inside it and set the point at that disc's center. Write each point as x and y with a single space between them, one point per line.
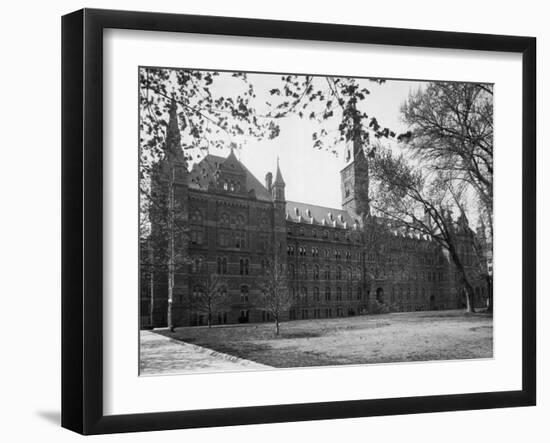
318 215
203 174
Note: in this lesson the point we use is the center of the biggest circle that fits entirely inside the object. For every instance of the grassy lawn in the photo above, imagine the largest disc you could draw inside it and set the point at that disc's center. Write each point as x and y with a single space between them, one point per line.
396 337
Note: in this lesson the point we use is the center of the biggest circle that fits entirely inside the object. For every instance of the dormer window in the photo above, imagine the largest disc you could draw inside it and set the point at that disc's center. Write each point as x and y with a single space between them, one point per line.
296 211
225 186
309 213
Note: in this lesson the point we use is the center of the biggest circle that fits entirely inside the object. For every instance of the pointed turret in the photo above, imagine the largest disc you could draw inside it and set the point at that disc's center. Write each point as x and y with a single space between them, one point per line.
278 188
172 145
278 175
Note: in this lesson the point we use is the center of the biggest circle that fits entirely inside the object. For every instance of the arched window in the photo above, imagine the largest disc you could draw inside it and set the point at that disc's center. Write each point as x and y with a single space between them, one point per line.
240 240
291 270
359 292
327 293
197 293
196 216
224 219
244 266
315 272
196 264
338 293
240 221
348 292
339 273
304 272
327 273
316 294
244 294
303 294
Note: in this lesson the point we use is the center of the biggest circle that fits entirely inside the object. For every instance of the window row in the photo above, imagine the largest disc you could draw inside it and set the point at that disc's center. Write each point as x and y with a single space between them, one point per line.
302 251
202 298
301 295
232 239
324 234
340 273
225 220
304 314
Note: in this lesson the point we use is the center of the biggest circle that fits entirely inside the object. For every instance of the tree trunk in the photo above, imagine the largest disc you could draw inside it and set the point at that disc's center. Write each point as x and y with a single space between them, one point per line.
276 325
209 320
467 286
171 255
490 295
469 299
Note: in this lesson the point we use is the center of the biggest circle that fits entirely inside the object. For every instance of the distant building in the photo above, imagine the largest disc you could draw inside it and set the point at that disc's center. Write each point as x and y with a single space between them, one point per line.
339 262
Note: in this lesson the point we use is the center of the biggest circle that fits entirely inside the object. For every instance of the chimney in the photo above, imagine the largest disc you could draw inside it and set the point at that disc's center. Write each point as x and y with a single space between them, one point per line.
269 181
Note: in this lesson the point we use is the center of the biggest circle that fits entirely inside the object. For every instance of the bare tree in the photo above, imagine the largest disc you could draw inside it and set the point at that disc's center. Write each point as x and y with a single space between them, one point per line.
178 104
274 295
422 203
452 130
209 296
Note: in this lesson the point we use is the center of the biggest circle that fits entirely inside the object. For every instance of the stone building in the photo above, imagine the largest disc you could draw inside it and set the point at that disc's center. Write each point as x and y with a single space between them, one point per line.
339 262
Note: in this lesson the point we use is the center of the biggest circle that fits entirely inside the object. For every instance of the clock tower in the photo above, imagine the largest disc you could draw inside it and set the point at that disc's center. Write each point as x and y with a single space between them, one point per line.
355 181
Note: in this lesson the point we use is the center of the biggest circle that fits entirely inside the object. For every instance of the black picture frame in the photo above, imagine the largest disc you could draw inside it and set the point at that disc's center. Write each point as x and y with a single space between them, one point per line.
82 218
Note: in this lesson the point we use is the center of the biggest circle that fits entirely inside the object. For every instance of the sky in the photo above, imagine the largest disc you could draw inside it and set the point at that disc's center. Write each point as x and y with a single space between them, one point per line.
311 175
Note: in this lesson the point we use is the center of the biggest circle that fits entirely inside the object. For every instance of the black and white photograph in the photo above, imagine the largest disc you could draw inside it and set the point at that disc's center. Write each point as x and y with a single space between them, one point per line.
289 220
245 222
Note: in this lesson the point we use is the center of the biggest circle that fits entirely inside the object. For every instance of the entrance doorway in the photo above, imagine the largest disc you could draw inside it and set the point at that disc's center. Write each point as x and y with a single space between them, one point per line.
244 317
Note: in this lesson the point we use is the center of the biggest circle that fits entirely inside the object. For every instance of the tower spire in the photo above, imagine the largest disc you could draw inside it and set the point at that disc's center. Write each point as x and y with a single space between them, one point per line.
278 175
172 145
278 188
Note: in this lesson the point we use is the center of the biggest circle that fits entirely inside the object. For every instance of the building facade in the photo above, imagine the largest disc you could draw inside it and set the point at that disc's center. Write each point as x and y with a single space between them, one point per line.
219 219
